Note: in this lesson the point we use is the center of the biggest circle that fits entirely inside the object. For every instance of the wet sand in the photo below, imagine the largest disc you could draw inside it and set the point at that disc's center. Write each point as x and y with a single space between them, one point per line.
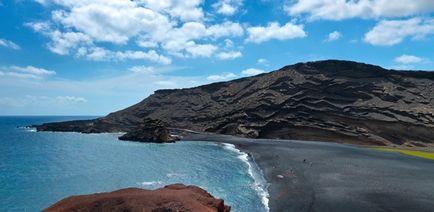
319 176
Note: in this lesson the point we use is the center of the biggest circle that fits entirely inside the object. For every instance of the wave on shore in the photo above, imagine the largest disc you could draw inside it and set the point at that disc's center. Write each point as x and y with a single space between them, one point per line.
149 183
259 183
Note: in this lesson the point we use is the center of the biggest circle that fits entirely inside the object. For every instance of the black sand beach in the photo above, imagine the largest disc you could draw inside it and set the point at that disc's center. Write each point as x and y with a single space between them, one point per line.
318 176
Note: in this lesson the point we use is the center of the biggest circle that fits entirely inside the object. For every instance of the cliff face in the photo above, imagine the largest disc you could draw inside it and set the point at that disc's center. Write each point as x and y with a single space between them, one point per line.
330 100
175 197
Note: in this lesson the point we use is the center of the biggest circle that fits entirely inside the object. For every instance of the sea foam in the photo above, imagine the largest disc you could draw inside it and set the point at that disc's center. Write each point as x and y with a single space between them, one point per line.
28 129
149 183
259 183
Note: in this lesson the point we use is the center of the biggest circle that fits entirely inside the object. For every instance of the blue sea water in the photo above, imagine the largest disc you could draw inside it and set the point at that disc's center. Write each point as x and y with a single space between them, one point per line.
39 168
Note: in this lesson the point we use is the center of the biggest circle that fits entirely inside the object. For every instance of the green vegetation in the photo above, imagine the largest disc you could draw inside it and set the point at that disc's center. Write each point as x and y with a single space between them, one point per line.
426 155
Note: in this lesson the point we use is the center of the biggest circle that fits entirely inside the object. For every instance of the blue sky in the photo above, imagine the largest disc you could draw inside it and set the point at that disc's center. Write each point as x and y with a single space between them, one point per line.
77 57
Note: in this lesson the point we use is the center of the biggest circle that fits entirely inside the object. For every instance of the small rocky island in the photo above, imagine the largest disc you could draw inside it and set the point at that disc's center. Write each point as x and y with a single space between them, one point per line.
177 197
150 131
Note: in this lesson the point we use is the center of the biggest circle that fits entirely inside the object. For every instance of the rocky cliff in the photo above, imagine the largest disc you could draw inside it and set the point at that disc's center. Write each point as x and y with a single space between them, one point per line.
175 197
331 100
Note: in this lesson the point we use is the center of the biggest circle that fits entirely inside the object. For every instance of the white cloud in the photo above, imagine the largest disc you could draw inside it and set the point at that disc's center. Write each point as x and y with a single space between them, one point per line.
229 55
176 26
184 10
226 29
151 55
345 9
63 42
228 7
143 69
252 71
33 70
391 32
182 41
112 21
9 44
200 50
261 34
221 77
28 72
147 44
101 54
39 26
262 61
229 75
71 99
333 36
150 70
228 43
409 59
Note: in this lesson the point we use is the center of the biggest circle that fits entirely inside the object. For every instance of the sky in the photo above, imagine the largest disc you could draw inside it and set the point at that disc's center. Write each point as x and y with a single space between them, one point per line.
93 57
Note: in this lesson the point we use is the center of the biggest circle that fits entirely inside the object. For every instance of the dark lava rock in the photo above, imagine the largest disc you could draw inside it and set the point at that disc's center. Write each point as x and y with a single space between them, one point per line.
152 131
83 126
171 198
340 101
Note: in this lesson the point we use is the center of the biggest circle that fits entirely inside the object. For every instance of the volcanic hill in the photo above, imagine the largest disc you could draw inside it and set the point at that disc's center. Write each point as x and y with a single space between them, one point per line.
339 101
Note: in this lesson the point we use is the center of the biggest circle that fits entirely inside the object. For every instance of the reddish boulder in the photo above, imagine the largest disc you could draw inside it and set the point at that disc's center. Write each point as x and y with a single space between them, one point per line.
177 197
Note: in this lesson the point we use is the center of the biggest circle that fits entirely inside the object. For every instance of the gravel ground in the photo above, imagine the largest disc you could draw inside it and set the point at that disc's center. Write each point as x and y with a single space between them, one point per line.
319 176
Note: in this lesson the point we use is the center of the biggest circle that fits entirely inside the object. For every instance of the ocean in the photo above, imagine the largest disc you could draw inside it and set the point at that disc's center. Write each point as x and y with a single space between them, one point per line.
40 168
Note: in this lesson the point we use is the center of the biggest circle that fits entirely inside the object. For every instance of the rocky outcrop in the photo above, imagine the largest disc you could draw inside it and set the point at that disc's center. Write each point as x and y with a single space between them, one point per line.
175 197
331 100
150 131
86 126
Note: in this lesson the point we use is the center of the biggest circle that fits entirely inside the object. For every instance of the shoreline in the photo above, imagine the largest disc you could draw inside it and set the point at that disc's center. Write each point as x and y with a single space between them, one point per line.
260 185
324 176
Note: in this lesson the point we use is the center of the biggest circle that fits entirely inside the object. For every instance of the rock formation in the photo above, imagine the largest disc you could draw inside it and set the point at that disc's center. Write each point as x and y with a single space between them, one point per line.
171 198
331 100
150 131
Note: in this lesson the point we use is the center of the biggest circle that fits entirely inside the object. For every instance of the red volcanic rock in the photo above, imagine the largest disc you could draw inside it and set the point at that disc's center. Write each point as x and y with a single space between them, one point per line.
177 197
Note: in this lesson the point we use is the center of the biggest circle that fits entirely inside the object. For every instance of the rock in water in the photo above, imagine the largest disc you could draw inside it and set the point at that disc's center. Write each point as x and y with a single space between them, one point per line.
152 131
177 197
